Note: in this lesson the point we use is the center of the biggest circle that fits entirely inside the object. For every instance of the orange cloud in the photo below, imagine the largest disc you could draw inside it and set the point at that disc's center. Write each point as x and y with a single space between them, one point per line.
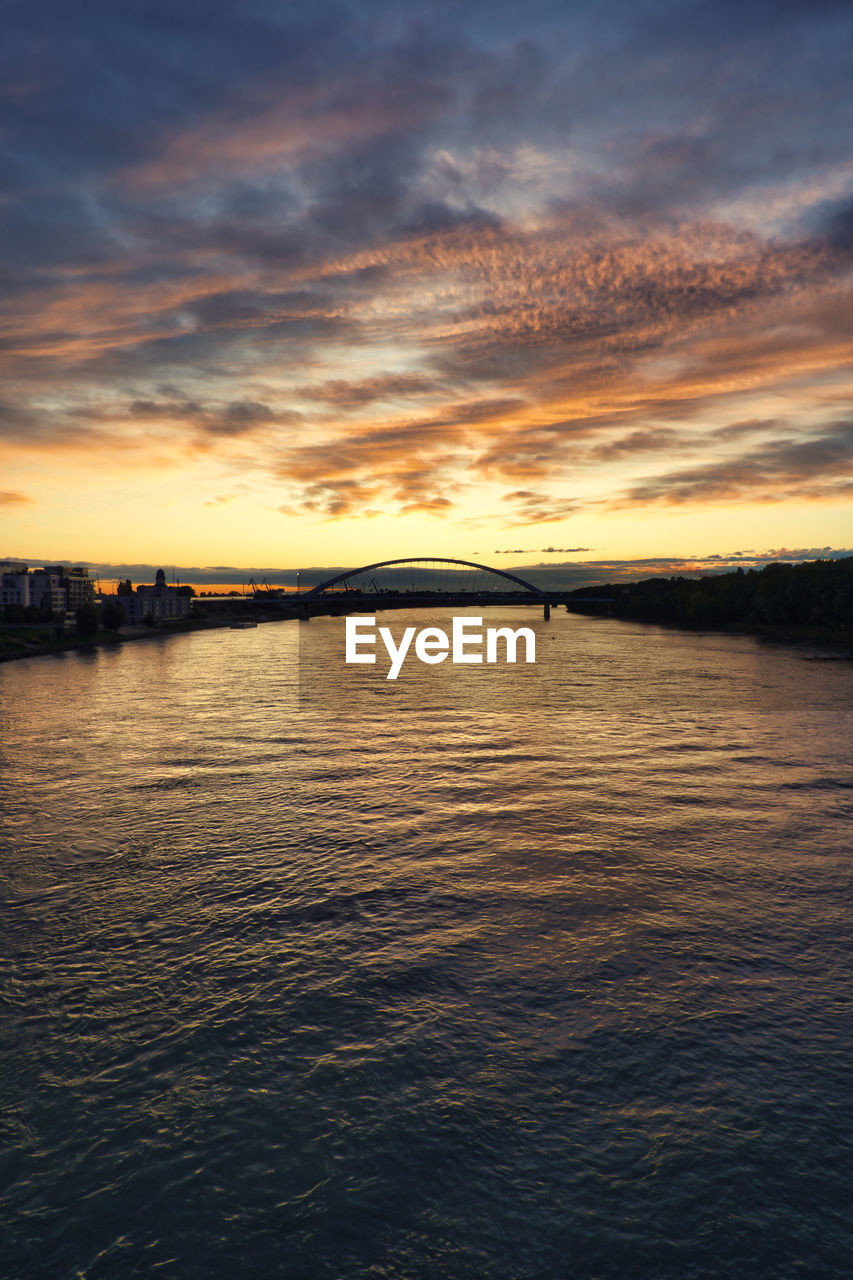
485 353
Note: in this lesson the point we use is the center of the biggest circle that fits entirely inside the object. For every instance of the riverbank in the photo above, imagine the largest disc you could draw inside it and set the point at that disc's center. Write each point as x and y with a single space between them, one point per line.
15 644
809 603
813 637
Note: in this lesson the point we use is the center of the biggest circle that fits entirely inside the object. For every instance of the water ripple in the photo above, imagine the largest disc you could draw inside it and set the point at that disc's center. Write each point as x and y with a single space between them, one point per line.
522 974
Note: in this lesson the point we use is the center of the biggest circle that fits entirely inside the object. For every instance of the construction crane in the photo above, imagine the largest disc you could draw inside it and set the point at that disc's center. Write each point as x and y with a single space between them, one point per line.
264 589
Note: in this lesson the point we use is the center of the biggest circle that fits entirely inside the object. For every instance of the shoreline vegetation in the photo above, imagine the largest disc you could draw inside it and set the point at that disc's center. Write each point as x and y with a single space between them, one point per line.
810 603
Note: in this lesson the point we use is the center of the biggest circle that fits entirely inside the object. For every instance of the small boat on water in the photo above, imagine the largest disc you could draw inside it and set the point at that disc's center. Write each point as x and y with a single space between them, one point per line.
242 626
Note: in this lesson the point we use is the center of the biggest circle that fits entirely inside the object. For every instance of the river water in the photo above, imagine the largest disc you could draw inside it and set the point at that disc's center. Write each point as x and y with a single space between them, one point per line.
524 972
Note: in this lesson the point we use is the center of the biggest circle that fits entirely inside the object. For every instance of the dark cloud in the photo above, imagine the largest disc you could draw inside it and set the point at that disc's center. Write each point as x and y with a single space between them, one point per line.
238 417
637 442
533 507
780 470
355 395
749 427
403 249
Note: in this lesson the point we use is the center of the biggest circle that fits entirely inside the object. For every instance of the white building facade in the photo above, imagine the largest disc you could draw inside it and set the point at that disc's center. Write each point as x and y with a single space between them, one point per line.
53 587
14 583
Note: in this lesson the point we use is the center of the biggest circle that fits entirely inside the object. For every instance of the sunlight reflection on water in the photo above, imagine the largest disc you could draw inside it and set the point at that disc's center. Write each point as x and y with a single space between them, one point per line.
523 972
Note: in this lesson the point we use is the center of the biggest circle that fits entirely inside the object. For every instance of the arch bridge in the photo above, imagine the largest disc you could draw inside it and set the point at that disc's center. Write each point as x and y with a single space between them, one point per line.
426 576
417 582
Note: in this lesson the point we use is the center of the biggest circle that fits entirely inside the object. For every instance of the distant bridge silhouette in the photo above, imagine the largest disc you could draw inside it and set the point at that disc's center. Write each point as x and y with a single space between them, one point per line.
465 577
412 582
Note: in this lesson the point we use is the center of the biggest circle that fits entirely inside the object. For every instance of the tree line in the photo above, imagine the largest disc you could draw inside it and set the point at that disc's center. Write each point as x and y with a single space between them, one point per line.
817 594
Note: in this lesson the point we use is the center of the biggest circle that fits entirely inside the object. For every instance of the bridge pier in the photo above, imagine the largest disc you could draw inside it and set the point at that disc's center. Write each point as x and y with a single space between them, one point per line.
546 611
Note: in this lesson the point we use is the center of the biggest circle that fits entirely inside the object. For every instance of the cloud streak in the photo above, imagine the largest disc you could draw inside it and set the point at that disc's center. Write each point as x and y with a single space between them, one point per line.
384 263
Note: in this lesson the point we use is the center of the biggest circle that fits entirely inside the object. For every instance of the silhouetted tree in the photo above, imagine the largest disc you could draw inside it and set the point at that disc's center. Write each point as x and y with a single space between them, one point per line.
87 620
112 616
818 593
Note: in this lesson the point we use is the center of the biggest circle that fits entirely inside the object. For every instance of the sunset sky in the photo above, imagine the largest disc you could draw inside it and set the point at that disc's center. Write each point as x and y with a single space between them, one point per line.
289 284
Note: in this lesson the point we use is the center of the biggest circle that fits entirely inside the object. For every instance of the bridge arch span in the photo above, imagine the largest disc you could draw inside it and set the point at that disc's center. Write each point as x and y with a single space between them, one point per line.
414 561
